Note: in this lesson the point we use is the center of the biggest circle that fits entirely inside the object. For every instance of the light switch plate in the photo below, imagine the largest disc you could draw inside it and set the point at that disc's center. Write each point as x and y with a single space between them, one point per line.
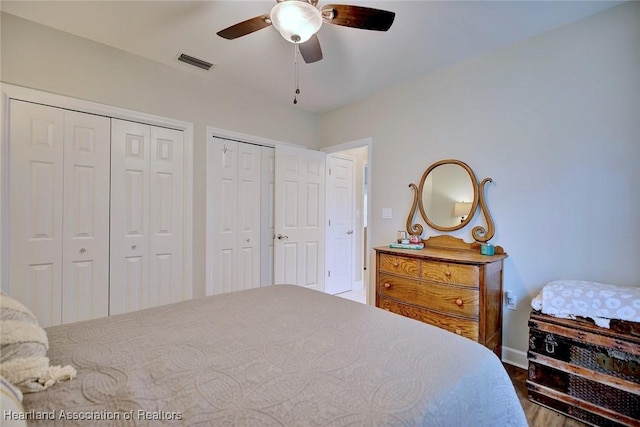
386 213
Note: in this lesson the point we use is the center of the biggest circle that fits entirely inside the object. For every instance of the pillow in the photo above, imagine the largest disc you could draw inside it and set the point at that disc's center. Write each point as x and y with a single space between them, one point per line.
23 350
10 405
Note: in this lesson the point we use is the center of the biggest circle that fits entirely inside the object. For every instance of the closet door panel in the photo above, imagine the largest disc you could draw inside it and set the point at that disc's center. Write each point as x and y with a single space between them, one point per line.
267 218
249 201
223 187
85 273
35 210
165 216
129 252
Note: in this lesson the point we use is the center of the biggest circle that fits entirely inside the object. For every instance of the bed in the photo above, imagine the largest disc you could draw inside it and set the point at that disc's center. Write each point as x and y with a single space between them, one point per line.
274 356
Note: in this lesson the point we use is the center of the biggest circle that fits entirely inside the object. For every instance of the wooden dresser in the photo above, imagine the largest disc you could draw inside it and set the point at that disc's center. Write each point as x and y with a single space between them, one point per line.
456 289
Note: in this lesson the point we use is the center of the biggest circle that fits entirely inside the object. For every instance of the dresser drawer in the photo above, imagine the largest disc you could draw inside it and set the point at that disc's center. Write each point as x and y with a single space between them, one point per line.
454 300
438 297
399 265
463 327
443 272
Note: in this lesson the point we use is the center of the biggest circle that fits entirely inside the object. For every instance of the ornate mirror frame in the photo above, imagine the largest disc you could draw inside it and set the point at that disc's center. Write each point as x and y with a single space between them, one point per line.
479 233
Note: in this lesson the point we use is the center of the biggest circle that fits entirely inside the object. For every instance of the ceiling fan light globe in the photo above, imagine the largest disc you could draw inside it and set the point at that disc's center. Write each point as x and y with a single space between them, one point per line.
296 20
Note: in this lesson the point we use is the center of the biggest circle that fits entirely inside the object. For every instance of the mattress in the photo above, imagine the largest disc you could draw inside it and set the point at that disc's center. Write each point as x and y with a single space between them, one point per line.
274 356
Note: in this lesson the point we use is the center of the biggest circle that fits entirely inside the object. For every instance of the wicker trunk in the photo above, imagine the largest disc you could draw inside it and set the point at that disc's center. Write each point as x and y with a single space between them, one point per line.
585 371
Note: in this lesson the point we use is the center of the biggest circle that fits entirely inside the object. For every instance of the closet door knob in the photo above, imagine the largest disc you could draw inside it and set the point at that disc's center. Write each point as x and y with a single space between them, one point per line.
83 250
248 240
133 247
282 237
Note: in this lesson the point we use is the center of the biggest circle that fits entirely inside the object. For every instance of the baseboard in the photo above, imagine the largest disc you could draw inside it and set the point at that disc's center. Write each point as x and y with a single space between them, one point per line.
515 357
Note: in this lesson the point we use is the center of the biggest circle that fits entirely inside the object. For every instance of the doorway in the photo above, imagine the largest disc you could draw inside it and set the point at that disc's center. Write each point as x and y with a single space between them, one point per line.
360 151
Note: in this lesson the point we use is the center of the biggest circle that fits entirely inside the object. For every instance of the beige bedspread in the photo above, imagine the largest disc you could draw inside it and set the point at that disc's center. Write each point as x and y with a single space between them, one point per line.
275 356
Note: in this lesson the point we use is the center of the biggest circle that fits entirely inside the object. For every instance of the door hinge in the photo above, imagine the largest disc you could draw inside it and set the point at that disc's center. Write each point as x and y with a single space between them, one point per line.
329 271
329 171
329 223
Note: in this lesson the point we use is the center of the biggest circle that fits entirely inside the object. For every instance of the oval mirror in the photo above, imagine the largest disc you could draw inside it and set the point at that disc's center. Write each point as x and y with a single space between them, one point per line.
448 195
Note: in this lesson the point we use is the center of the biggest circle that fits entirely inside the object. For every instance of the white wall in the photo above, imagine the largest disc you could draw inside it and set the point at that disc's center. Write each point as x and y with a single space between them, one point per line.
43 58
555 121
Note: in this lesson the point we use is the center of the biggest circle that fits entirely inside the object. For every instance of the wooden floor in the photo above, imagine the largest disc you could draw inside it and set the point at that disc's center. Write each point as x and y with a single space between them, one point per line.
537 416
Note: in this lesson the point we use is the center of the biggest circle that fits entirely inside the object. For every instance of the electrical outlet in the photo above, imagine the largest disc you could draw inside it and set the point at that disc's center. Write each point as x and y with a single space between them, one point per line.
510 299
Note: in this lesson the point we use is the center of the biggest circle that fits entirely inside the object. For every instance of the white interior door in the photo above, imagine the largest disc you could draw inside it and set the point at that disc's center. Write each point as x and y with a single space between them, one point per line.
129 268
299 249
249 213
165 216
234 173
222 215
267 217
340 223
85 249
59 192
36 150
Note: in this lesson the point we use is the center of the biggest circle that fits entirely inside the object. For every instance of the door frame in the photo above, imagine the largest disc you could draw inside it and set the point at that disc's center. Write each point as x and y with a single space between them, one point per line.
364 142
9 91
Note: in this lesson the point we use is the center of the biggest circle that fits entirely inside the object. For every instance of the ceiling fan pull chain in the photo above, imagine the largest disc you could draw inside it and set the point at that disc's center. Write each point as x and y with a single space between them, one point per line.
295 65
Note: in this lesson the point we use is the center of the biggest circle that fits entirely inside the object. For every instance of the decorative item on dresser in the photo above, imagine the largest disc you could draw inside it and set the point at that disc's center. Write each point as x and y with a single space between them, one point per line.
448 284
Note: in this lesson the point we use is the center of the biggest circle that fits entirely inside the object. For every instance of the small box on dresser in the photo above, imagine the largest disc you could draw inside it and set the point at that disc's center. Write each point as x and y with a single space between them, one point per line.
585 371
448 284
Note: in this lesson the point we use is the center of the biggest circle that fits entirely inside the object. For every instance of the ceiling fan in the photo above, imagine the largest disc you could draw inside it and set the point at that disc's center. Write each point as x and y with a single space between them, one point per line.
298 21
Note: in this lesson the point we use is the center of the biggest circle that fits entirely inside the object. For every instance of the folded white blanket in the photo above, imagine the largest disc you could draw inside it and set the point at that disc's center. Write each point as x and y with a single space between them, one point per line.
598 301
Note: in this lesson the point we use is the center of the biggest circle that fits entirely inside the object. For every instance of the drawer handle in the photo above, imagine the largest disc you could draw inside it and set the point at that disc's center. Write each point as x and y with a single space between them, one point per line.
459 302
387 285
447 273
458 331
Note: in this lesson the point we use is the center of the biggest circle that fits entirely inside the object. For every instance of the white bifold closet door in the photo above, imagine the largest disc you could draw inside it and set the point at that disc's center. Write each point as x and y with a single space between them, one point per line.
146 216
59 199
234 183
267 218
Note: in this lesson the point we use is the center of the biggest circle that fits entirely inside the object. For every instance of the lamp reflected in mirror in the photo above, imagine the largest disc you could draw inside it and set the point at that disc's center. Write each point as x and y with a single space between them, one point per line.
461 209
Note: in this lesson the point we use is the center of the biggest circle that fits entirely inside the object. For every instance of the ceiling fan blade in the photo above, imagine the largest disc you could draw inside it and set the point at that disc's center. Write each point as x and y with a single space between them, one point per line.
310 50
245 27
365 18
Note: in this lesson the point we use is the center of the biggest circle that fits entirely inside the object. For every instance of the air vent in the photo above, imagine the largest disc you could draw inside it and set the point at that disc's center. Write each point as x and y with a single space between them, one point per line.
195 62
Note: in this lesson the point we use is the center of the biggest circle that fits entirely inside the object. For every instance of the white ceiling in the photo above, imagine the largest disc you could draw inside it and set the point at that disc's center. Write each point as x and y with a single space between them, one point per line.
425 36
